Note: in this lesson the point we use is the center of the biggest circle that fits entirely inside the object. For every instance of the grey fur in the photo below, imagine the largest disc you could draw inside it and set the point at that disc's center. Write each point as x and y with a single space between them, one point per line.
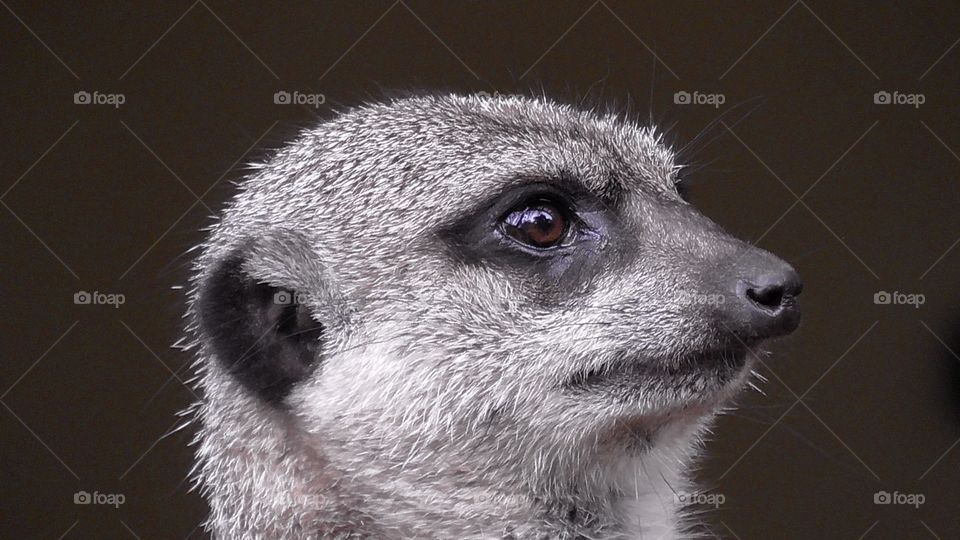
436 409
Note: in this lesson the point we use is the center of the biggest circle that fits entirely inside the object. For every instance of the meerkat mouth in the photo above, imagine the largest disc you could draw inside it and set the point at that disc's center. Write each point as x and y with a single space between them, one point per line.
719 364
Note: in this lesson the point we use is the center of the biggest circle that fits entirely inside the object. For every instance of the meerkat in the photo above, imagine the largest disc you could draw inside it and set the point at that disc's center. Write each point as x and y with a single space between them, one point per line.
468 317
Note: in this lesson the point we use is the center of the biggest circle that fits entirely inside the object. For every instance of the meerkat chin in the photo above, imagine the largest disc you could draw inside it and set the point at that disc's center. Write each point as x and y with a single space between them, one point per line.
468 317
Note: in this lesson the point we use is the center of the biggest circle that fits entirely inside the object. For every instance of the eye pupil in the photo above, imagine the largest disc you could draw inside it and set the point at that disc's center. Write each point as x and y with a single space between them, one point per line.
540 224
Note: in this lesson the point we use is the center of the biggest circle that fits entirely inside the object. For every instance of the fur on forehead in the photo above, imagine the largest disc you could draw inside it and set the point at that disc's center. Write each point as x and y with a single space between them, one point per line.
460 148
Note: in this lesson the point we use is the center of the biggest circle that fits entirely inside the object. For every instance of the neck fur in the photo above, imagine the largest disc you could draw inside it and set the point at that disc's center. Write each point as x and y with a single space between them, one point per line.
265 475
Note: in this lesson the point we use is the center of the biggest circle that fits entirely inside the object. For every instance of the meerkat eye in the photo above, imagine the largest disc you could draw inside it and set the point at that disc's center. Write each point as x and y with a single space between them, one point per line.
539 223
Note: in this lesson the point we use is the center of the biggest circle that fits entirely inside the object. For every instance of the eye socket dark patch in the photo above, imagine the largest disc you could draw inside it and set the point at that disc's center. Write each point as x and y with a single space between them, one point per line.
260 333
558 273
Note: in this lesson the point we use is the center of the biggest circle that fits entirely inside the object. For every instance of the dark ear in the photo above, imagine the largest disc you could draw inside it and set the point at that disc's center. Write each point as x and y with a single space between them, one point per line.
263 335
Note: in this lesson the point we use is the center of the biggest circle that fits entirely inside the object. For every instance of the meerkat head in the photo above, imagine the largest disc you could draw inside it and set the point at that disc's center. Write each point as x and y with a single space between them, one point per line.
507 288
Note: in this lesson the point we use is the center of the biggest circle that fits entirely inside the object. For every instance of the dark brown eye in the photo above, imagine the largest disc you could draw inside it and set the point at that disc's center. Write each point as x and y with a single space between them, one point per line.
540 224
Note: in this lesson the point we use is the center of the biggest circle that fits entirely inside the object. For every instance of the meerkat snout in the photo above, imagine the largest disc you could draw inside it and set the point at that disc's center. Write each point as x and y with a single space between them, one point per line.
770 297
761 302
468 317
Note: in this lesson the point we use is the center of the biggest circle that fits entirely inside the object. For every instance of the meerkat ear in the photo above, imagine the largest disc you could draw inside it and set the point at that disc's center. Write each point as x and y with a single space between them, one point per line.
264 335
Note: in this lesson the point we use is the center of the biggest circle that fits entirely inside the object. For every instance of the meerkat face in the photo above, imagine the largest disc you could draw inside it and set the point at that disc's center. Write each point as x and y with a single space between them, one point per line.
417 271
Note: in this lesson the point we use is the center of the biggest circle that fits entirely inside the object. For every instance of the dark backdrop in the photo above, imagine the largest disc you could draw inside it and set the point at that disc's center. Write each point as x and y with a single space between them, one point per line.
861 197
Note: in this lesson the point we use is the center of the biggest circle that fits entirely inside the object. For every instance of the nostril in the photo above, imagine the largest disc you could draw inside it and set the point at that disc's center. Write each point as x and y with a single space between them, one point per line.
766 303
769 297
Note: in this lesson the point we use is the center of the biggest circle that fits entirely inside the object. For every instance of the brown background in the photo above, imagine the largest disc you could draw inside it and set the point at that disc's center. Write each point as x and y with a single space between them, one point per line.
102 198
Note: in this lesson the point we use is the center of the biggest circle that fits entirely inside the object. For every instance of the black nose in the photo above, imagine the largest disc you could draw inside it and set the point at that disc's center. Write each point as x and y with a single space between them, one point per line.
766 297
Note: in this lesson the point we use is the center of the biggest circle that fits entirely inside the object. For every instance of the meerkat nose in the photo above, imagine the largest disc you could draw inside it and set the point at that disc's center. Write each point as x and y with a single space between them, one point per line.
766 298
